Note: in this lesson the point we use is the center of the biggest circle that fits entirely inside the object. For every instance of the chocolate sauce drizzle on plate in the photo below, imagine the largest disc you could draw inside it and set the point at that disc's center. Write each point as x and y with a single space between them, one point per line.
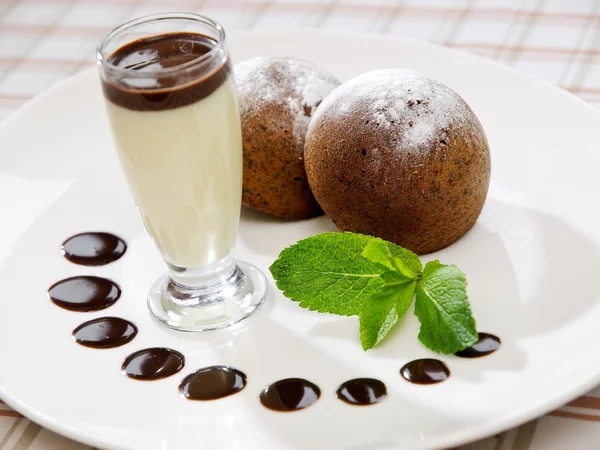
425 371
487 343
362 391
105 332
212 383
84 293
153 364
290 394
91 293
93 248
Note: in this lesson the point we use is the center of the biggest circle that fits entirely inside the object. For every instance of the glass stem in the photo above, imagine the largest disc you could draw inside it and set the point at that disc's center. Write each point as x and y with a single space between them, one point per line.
206 285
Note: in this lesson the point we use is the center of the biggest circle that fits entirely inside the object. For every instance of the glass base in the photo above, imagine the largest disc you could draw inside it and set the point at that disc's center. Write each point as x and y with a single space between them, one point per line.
209 298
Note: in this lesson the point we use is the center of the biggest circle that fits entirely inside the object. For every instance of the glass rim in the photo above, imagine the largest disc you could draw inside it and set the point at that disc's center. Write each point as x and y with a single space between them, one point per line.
106 65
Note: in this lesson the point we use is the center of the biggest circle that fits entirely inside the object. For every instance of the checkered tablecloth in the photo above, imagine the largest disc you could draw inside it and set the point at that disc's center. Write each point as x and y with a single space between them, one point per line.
44 41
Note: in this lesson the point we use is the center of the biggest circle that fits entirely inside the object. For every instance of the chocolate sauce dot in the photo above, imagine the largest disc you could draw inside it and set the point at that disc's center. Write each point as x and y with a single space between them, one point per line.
84 293
486 344
362 391
425 371
105 332
290 394
212 383
153 364
93 249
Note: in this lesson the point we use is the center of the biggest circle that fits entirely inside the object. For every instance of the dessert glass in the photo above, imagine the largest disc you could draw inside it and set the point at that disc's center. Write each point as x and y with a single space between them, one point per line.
177 133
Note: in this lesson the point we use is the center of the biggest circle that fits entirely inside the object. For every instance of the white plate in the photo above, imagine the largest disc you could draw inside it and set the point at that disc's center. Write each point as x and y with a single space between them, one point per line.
532 262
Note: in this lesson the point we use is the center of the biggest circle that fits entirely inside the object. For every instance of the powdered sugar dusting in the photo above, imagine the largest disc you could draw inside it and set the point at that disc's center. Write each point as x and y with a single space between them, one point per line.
414 108
299 84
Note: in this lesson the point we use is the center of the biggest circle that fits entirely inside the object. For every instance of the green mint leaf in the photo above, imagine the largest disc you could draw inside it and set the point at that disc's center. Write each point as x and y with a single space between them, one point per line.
353 274
327 273
377 321
384 309
442 307
394 257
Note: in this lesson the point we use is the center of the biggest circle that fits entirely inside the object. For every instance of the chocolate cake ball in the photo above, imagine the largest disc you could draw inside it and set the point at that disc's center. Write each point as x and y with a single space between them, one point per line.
277 98
394 154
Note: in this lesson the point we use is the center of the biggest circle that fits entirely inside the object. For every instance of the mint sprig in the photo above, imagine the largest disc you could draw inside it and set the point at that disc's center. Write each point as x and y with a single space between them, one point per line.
352 274
442 300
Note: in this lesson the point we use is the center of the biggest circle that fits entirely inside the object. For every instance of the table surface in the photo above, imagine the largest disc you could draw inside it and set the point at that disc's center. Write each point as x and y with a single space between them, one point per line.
44 41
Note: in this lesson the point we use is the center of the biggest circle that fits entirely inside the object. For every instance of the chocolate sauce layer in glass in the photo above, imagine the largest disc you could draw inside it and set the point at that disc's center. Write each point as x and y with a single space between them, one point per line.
169 89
